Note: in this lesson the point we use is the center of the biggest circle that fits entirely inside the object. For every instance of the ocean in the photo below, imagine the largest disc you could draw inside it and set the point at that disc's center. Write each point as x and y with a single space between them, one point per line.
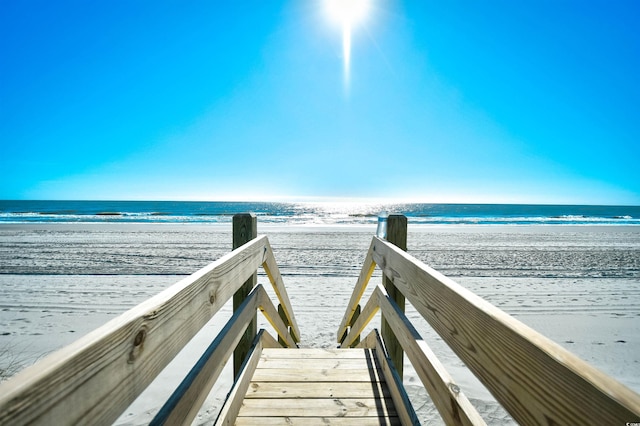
327 213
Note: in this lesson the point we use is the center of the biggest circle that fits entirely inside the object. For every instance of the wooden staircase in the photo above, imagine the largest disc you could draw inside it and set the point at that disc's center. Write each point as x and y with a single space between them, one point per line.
318 386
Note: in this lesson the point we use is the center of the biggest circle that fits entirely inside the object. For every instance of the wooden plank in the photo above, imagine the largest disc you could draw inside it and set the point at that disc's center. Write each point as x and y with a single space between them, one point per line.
308 375
336 407
245 229
361 285
266 390
318 421
452 404
367 314
401 401
273 272
268 342
307 386
314 364
535 379
396 235
315 353
97 377
354 318
271 314
231 407
370 341
183 405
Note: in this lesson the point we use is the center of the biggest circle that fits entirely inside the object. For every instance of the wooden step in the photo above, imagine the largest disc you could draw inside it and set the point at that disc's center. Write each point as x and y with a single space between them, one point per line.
318 386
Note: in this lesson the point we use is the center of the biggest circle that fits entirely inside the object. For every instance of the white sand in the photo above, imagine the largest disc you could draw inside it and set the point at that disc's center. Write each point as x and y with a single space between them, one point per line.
578 285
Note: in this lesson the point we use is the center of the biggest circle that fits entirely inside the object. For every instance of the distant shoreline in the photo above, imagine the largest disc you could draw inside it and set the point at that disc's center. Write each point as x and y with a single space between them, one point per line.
313 214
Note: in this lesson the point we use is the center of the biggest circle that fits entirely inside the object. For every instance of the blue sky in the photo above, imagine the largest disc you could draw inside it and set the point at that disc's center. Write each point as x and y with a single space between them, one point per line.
446 101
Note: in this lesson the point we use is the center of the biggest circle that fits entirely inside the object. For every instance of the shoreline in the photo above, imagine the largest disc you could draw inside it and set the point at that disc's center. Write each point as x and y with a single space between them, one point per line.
284 227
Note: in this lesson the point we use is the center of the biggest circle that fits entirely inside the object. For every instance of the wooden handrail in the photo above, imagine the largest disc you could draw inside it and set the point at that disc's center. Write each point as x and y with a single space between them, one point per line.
271 268
361 285
452 404
535 379
183 405
231 407
94 379
399 395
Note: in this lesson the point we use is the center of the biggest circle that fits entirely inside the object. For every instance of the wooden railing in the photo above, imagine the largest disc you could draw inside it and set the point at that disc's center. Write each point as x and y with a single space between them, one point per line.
184 404
536 380
93 380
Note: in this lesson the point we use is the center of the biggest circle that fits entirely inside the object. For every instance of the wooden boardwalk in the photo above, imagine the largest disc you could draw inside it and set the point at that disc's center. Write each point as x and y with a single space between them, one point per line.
318 386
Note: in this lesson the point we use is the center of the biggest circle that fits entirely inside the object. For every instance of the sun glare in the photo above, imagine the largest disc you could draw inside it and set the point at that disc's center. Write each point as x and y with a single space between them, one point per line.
347 13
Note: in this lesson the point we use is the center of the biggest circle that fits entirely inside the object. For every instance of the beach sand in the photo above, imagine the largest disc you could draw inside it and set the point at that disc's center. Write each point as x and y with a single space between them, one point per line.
577 285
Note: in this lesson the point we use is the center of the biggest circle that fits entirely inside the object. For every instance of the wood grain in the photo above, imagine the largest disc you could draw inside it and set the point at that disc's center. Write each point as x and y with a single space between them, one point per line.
327 390
366 315
452 404
231 407
271 314
314 353
535 379
396 235
331 407
183 405
97 377
361 285
398 393
310 375
317 363
318 421
317 385
245 229
369 342
270 266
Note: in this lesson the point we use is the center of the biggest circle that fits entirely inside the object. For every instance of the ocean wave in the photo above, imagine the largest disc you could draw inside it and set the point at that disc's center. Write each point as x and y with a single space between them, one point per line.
309 219
312 214
526 220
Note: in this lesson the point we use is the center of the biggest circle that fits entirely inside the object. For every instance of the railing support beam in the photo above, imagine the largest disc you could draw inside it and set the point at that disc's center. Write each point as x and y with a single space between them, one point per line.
397 235
245 229
354 318
283 317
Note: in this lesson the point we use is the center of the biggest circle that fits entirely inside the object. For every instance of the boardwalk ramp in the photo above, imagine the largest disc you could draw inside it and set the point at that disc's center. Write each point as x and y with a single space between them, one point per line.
317 386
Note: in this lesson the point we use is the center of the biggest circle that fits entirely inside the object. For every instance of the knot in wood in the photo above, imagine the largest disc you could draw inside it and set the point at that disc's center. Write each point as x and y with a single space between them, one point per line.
139 338
138 345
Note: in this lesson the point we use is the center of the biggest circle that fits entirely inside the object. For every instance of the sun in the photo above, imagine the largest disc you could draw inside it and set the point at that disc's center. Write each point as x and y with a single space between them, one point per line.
348 13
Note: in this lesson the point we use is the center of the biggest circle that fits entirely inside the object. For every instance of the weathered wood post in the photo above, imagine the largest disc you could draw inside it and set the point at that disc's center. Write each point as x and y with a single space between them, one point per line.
245 229
396 234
